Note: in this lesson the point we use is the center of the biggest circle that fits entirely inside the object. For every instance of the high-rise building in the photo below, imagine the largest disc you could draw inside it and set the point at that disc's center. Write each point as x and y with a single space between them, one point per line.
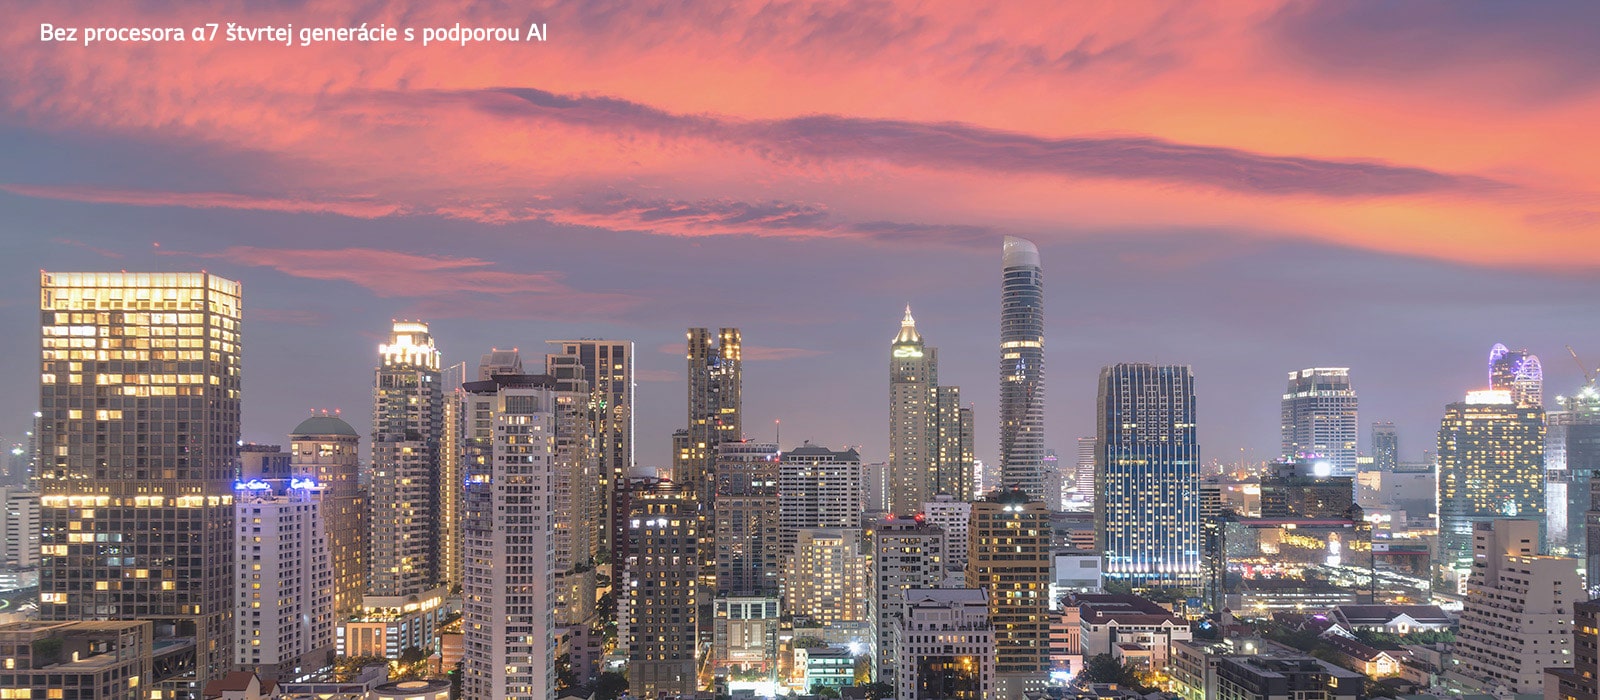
1582 680
1491 466
1083 481
452 477
913 376
930 432
1022 368
1385 446
1572 456
407 412
576 498
1319 418
952 516
324 447
830 582
19 528
662 572
716 378
1516 620
946 645
1517 372
817 487
954 438
1147 475
608 368
1009 558
283 617
510 577
747 519
1301 489
907 552
140 397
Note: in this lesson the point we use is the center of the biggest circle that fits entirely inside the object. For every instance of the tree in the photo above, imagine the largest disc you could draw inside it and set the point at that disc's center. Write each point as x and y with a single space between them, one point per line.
807 642
826 691
610 686
1102 668
879 691
565 678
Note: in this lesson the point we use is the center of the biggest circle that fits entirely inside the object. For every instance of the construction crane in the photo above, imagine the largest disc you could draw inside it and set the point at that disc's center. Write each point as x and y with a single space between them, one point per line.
1588 376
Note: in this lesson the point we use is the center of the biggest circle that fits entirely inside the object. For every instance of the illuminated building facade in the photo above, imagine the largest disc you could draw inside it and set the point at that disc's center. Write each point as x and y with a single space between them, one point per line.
1572 457
140 398
817 488
1022 368
576 495
747 519
284 606
452 427
716 380
952 516
662 573
324 447
1319 418
830 576
608 369
930 432
1147 475
1008 556
407 413
1491 466
1518 372
511 574
946 645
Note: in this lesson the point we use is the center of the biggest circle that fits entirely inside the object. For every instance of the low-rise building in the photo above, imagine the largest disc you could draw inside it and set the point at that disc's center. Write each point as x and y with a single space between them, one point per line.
827 667
1108 620
1393 619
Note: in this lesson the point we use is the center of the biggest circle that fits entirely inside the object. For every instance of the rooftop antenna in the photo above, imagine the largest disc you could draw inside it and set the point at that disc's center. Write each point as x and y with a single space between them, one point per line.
777 428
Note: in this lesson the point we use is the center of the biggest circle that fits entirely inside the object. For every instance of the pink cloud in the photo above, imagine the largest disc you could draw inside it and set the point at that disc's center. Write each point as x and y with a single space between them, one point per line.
444 286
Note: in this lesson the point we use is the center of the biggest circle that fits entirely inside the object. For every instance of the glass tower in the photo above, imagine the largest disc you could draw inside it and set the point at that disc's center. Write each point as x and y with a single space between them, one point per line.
138 439
1147 475
1022 368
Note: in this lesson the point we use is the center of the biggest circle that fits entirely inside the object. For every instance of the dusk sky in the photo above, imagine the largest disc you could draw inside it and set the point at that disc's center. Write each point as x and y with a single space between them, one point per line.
1249 189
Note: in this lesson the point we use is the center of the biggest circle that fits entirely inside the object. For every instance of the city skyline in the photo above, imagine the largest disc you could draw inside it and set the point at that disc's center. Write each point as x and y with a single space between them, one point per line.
1385 205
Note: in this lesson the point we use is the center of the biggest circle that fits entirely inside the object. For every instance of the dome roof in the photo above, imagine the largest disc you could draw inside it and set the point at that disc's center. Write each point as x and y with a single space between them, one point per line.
324 425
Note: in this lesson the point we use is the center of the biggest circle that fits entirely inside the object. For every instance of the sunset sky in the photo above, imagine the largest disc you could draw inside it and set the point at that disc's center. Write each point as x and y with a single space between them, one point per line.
1246 187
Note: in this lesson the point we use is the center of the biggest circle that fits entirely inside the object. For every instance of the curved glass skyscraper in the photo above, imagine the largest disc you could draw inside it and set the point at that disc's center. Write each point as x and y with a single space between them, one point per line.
1022 368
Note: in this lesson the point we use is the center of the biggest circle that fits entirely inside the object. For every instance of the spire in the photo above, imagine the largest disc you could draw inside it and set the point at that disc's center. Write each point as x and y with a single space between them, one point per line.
908 329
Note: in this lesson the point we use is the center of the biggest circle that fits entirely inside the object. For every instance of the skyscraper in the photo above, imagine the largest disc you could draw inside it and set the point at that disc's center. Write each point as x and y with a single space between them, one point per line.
1009 558
1022 368
1518 372
1319 418
662 569
930 432
1572 449
608 367
324 447
831 577
1147 476
747 519
913 376
1491 466
140 397
1083 482
1385 446
510 588
284 613
716 380
817 487
452 474
407 412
